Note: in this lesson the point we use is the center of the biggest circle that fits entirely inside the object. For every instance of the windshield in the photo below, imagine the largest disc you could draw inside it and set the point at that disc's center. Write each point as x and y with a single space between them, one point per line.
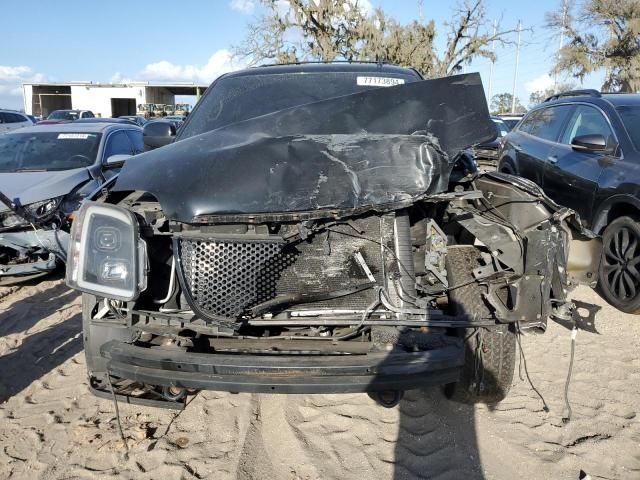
63 115
47 151
510 122
233 99
630 115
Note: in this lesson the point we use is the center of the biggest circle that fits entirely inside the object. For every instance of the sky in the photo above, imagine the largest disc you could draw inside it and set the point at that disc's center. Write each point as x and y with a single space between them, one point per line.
161 40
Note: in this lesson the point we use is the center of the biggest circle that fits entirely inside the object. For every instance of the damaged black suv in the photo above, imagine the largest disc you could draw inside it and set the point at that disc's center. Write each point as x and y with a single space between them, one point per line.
312 229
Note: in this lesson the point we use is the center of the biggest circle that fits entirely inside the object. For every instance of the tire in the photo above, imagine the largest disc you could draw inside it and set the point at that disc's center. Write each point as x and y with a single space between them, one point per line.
490 352
505 167
619 271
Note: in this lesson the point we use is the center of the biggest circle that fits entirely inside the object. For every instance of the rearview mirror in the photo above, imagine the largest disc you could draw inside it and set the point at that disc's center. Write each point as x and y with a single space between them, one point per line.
158 134
117 160
594 142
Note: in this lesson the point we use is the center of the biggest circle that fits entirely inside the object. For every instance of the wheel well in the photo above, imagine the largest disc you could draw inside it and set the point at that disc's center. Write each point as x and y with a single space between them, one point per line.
617 210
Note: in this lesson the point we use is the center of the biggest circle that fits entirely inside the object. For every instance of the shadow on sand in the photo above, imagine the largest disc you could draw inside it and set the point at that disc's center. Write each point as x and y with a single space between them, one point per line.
44 349
436 438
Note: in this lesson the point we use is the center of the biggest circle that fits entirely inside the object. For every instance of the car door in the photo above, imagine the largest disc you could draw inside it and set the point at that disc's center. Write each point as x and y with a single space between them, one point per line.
570 176
118 143
539 134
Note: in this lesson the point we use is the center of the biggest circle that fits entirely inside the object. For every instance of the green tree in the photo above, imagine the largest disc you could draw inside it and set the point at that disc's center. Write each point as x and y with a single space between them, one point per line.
501 103
327 30
601 34
541 95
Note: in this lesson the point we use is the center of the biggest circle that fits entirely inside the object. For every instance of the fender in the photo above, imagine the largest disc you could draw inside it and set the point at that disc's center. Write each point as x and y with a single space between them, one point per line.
600 218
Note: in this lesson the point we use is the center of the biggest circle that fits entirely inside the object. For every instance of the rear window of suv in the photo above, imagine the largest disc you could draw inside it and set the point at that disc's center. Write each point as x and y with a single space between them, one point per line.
234 99
630 115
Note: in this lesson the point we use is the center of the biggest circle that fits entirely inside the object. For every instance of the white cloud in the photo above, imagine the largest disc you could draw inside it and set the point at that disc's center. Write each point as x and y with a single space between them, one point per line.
220 62
11 80
117 78
164 71
540 83
243 6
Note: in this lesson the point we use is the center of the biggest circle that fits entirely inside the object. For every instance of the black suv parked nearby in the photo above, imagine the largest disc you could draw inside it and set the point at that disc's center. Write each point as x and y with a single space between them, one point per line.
308 231
583 148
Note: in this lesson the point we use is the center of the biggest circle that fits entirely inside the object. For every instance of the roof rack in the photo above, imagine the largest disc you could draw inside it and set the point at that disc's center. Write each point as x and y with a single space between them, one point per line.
316 62
590 92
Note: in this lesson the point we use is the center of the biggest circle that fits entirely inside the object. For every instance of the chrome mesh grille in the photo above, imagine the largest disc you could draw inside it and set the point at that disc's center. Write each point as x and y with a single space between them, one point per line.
226 278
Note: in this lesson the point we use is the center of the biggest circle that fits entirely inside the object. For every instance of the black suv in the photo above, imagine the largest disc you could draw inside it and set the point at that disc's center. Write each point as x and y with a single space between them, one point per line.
583 148
304 233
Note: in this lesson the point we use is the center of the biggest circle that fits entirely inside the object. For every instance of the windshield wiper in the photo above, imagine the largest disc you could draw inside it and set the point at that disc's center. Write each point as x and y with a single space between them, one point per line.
30 170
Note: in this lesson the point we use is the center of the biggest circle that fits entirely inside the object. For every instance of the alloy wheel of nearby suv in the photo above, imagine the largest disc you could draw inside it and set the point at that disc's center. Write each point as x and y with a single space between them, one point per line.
620 265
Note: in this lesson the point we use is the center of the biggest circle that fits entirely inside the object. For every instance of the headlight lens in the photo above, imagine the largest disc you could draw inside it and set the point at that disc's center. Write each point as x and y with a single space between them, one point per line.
40 210
106 256
44 208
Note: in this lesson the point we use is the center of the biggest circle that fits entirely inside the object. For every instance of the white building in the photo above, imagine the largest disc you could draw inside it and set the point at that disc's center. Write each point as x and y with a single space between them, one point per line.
105 100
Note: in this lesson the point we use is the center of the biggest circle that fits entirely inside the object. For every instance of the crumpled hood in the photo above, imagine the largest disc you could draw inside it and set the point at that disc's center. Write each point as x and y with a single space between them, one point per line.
378 149
30 187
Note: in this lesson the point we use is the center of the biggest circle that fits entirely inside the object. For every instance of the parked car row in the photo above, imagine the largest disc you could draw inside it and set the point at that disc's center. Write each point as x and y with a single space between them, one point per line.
583 148
12 120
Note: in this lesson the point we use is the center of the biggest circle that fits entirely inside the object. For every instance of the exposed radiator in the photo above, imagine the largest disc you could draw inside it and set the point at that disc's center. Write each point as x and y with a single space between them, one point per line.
226 277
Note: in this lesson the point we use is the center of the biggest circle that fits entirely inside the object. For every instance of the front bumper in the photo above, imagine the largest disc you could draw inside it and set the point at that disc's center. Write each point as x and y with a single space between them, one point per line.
284 373
29 247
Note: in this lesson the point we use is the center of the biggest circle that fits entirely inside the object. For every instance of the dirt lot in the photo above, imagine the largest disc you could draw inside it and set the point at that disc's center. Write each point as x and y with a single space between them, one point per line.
50 427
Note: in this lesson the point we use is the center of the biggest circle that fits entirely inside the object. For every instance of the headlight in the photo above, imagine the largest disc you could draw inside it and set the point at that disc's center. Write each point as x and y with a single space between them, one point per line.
40 210
106 255
44 208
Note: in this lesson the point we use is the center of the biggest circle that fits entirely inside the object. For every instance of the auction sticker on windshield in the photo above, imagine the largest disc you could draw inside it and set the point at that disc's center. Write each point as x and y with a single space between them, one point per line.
73 136
380 81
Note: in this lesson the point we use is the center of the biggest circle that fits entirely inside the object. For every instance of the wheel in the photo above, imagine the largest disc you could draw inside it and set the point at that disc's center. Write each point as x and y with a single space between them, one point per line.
506 168
490 352
619 272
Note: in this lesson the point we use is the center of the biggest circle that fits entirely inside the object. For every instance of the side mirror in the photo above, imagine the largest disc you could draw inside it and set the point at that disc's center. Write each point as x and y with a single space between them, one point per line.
594 142
117 160
158 134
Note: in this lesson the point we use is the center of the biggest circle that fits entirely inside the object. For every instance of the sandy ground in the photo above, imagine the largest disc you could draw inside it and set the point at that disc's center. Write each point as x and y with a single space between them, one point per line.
51 427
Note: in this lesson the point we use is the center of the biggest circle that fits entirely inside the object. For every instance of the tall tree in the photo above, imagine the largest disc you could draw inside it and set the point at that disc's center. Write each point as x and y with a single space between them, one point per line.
326 30
541 95
601 34
501 103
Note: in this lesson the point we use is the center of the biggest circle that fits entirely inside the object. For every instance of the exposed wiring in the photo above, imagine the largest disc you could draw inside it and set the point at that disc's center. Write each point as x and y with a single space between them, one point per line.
368 311
114 309
118 423
545 407
567 417
408 311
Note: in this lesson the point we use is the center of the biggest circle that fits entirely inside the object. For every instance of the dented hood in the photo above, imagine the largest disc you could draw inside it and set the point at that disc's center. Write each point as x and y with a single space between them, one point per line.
379 149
